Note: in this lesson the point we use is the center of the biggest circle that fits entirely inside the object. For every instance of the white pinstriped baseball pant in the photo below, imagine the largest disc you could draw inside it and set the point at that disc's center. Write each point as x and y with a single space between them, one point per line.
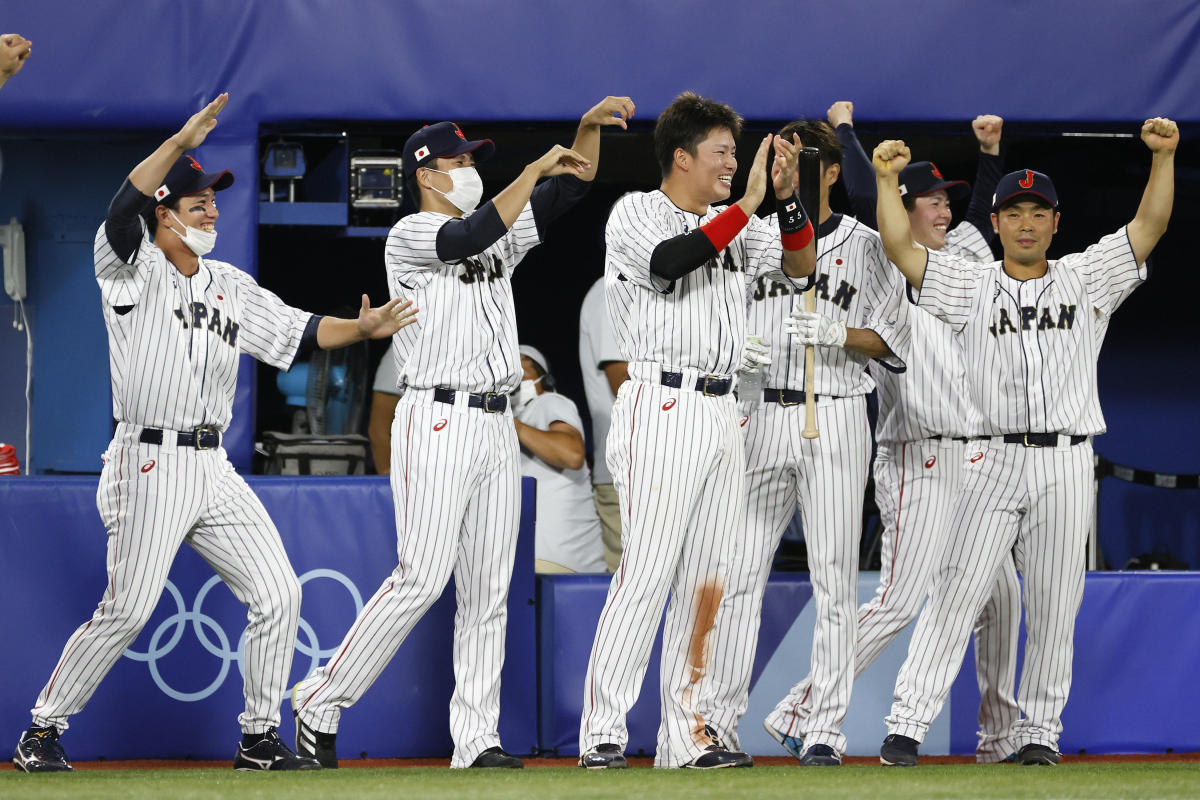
826 477
456 486
677 461
1036 503
153 498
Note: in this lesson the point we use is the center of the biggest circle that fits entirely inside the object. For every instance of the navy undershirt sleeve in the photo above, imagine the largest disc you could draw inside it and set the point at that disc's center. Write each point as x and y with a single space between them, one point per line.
858 176
123 225
979 211
470 235
679 255
551 198
308 340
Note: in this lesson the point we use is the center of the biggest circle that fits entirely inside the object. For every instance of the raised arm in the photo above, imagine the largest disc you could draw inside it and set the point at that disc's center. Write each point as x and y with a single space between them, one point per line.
889 158
857 175
1154 212
609 111
148 175
15 50
987 129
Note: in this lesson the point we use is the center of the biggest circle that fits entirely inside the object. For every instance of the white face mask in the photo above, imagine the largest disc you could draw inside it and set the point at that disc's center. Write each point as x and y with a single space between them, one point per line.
466 188
199 241
525 393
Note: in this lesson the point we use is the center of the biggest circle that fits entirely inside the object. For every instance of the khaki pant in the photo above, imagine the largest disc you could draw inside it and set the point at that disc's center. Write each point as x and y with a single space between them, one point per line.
608 507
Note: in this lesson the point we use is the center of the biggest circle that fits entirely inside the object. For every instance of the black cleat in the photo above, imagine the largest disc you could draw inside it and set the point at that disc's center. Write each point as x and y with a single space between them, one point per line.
820 755
270 753
604 756
496 758
898 751
311 743
717 757
1037 754
38 750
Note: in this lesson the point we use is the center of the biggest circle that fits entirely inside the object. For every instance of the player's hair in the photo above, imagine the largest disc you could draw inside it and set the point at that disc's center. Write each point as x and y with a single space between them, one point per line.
151 219
909 201
1037 200
686 122
818 134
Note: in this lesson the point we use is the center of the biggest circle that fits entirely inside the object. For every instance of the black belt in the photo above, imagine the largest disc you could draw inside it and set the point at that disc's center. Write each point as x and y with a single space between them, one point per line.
939 438
710 385
206 437
491 402
786 397
1037 439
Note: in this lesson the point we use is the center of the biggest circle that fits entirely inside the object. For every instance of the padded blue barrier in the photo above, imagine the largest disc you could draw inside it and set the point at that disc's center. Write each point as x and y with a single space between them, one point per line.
184 700
1136 657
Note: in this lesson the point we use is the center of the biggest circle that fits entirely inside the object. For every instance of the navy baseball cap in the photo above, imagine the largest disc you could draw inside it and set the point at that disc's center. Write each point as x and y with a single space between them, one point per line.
188 177
1024 181
923 177
442 140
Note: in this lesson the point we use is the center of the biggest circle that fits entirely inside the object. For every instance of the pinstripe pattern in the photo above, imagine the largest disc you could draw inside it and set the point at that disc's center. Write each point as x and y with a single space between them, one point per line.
149 513
1038 375
463 523
1032 346
698 321
826 476
1038 501
455 482
174 345
676 534
467 336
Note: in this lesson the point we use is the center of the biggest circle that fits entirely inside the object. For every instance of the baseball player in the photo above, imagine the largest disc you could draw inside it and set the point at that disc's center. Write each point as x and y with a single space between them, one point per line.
455 471
177 323
604 369
827 476
677 273
921 435
1031 330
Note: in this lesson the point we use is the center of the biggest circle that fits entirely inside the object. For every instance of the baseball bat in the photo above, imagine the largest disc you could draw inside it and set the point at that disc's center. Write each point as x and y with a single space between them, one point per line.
809 175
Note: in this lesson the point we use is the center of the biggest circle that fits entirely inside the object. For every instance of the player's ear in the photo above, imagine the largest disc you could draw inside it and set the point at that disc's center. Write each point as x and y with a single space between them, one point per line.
996 223
682 159
832 172
1056 218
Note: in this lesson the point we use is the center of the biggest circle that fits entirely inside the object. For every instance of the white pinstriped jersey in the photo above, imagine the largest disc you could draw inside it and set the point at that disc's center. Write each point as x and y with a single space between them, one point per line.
855 283
174 341
698 321
930 398
1033 345
467 336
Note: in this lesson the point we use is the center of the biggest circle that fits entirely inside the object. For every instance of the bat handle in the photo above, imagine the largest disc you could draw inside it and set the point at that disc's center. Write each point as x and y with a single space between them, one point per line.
810 362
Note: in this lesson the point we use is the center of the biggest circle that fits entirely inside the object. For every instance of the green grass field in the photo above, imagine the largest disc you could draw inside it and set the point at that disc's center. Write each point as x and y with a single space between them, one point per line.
1139 780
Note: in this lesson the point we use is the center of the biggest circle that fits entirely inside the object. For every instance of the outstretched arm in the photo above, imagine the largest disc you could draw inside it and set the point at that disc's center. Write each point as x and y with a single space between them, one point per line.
372 323
1148 225
888 159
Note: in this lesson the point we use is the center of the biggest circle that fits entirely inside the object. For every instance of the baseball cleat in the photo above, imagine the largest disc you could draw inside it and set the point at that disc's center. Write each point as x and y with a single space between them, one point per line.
270 753
496 758
820 755
898 751
1037 754
311 743
717 757
38 750
793 744
604 756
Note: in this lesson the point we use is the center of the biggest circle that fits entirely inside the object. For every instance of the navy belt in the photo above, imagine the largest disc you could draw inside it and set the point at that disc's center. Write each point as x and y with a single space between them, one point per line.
1038 439
491 402
786 397
709 385
206 437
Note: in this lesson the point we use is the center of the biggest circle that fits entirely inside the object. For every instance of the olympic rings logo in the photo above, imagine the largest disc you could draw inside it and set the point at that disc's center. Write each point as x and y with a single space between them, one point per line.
172 629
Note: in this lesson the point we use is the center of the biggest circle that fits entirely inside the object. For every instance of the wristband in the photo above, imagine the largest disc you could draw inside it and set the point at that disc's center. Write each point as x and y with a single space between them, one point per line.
792 217
798 240
721 229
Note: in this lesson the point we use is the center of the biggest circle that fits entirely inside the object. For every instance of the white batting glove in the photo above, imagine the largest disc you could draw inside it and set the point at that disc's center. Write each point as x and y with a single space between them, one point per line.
810 328
756 355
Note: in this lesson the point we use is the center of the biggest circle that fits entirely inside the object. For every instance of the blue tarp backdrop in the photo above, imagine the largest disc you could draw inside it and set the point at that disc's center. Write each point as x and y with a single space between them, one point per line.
1135 658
